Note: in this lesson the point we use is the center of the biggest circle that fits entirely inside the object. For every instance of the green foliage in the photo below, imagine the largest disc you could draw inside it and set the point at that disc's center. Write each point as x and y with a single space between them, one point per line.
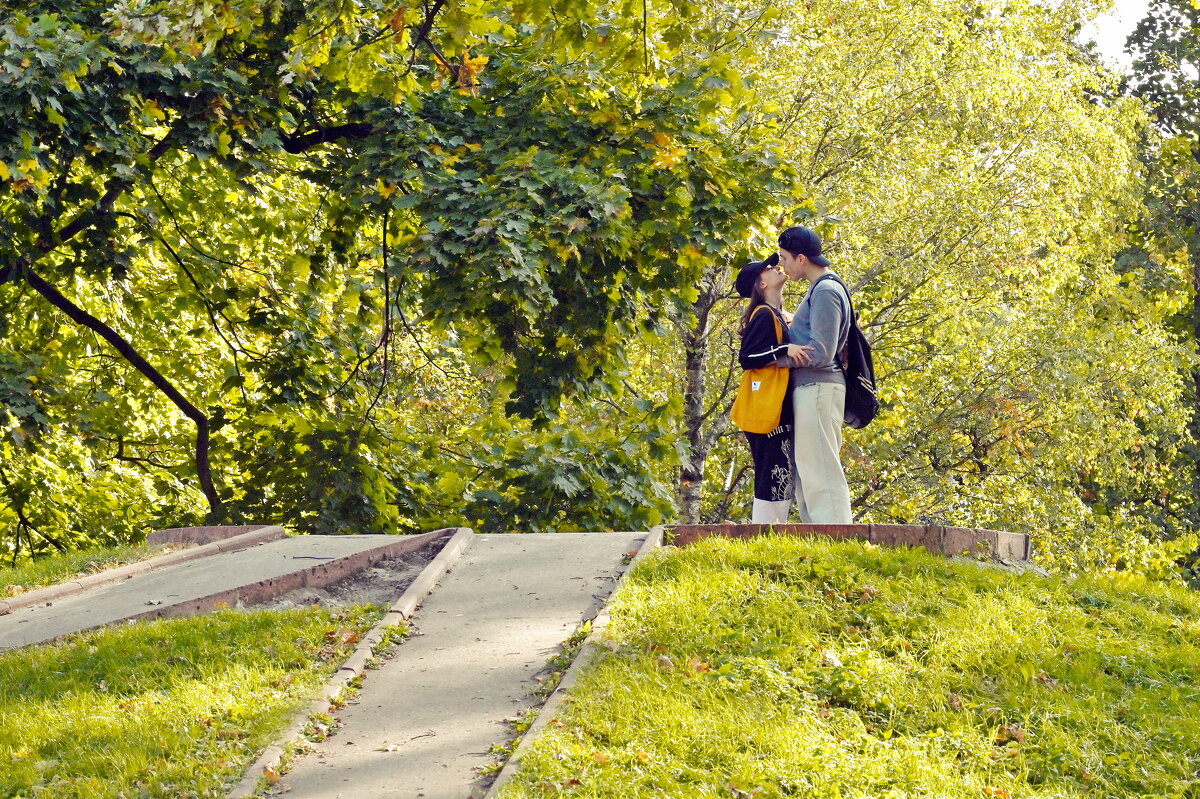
262 204
167 708
1167 49
597 461
417 266
975 180
784 667
1164 243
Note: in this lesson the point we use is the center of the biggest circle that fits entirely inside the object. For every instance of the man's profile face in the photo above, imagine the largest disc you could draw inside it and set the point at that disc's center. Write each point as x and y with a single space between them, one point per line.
790 264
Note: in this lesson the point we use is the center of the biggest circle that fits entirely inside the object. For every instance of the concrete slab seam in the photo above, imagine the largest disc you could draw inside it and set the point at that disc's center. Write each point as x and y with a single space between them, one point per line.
109 576
588 652
355 665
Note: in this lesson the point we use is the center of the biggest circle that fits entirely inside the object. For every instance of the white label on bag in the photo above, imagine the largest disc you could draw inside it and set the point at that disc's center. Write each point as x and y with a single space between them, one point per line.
755 385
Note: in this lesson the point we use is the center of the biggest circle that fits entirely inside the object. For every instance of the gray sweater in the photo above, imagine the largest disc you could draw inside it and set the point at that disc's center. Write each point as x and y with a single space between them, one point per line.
822 322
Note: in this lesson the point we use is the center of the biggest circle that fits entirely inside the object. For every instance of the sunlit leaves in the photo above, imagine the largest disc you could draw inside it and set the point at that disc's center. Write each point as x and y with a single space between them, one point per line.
263 199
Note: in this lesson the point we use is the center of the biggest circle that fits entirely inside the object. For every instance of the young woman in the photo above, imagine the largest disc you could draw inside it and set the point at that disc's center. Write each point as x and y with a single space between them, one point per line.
765 342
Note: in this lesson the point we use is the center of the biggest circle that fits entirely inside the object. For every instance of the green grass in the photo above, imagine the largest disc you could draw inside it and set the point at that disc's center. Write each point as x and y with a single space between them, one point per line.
808 668
169 708
60 568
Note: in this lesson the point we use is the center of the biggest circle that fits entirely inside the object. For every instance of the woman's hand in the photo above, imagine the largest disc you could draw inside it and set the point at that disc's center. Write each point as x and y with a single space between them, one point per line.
802 355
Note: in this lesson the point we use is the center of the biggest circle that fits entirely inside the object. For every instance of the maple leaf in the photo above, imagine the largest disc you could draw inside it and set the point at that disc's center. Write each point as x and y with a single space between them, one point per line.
469 70
396 20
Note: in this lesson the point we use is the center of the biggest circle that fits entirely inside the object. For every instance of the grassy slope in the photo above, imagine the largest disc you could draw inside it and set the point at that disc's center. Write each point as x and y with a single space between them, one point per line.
809 668
169 708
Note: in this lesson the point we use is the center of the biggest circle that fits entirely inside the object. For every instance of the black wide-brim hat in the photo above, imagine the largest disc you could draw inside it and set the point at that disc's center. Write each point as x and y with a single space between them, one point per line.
744 282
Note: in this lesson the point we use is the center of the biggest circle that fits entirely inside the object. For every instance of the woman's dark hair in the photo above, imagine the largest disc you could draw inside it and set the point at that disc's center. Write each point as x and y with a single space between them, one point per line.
756 299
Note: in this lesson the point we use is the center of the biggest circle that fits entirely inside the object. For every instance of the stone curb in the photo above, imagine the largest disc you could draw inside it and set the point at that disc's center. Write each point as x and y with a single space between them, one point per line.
315 576
588 652
258 535
949 541
355 665
199 535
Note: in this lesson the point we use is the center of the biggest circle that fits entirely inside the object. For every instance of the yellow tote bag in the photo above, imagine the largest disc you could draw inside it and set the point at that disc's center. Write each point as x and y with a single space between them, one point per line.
759 401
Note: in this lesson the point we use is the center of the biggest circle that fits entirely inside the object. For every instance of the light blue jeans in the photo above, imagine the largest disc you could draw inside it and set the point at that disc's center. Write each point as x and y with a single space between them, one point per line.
822 495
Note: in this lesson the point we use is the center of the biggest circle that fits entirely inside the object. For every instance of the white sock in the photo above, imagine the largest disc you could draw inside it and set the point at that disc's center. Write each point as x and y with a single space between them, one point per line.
765 511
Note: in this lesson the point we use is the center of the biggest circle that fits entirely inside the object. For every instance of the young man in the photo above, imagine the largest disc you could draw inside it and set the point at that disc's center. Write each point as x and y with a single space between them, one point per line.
819 389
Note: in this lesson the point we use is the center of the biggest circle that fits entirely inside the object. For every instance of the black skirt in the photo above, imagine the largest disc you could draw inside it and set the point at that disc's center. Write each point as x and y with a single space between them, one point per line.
773 455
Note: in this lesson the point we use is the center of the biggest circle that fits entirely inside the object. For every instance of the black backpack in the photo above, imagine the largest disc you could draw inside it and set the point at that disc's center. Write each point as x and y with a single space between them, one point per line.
862 403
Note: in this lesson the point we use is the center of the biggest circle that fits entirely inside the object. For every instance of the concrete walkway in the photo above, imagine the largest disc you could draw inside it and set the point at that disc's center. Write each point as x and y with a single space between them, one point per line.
423 723
244 576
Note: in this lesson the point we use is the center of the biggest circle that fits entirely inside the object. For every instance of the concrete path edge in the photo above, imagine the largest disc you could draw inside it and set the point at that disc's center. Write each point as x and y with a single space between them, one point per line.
316 576
51 593
588 652
355 665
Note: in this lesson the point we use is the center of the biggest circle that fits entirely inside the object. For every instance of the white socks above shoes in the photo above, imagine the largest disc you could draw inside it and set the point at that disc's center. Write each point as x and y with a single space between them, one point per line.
765 511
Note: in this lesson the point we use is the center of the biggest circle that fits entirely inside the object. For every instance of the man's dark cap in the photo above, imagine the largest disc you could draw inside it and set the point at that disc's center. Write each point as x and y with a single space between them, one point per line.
744 283
802 241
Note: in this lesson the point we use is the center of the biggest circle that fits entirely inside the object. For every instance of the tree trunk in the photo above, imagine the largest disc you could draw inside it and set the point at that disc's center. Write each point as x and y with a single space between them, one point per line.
691 475
82 317
697 431
1194 423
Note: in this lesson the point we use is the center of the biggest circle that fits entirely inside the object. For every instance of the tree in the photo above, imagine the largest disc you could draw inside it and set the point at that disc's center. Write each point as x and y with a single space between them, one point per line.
276 197
1165 248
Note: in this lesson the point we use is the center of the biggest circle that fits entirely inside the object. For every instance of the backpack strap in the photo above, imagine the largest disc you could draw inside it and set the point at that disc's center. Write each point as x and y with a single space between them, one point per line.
853 320
853 317
774 317
845 288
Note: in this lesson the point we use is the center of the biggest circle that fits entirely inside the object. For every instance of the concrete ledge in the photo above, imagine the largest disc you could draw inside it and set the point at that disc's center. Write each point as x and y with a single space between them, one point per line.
947 541
912 535
315 576
251 536
199 535
588 652
355 665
